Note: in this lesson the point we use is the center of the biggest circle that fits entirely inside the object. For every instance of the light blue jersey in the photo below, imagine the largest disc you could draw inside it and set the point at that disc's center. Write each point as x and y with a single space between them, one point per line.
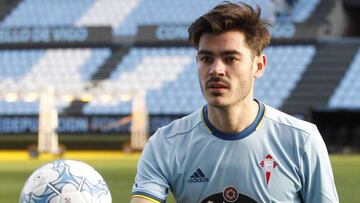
278 158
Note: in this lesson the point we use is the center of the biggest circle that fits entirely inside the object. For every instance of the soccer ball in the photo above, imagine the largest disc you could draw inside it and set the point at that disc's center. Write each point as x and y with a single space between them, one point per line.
65 181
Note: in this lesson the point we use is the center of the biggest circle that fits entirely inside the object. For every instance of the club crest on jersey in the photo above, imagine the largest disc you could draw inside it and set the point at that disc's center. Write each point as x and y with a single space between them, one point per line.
268 164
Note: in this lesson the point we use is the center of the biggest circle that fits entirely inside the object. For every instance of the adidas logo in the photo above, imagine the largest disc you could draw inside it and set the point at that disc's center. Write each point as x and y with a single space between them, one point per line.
198 177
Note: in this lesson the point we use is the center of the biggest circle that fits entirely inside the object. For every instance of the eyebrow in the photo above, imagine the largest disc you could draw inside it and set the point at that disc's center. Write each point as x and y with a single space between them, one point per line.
224 53
205 52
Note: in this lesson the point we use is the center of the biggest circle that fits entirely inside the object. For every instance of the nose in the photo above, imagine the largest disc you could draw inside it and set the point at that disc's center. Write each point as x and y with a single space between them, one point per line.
217 68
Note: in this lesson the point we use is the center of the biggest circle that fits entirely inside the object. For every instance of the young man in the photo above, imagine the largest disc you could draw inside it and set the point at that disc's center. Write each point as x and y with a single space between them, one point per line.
234 149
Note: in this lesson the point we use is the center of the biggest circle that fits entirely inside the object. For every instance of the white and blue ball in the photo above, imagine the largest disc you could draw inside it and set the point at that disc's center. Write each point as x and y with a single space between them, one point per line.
65 181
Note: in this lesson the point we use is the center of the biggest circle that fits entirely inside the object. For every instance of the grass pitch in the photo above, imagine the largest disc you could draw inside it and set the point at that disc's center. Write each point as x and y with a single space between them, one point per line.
119 170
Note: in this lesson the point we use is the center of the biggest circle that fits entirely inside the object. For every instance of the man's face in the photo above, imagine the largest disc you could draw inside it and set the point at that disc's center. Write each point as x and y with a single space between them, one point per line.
227 68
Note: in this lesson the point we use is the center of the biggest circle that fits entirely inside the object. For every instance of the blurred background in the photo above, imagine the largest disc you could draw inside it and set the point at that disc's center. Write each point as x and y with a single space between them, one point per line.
98 77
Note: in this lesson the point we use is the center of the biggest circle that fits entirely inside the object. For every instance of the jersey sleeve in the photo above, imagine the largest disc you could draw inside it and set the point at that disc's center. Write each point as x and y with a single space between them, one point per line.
151 181
318 180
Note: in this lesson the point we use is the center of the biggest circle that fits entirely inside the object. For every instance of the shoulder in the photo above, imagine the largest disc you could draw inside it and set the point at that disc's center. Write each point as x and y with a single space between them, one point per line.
287 121
299 133
178 127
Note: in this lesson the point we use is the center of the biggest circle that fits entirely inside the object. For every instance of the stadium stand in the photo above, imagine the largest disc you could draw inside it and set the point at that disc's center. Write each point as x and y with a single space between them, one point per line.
29 71
172 79
55 68
19 108
46 13
303 9
133 13
283 72
321 77
6 6
347 94
183 12
166 65
95 15
70 71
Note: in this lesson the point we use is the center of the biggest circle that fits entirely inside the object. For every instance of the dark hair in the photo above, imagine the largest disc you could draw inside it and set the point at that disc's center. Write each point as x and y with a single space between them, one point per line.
231 16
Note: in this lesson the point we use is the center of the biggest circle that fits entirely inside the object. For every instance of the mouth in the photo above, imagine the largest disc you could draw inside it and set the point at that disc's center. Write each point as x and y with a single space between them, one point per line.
216 87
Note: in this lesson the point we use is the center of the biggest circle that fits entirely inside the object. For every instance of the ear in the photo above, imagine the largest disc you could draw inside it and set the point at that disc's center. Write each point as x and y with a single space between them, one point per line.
260 65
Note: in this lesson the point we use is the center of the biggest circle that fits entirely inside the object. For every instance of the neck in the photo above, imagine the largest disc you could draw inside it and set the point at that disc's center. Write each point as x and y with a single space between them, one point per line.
235 118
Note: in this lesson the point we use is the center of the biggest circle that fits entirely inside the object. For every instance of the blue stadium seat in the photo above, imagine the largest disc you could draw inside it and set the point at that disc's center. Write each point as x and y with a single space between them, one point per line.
67 70
17 63
303 9
347 93
283 71
19 108
169 76
46 13
125 16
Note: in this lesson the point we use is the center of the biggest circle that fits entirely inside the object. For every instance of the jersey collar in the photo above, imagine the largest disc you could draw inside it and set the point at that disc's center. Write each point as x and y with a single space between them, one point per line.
234 136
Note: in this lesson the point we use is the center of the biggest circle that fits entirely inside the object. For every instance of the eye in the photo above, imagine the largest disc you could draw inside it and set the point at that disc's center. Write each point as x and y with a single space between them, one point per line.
206 59
230 59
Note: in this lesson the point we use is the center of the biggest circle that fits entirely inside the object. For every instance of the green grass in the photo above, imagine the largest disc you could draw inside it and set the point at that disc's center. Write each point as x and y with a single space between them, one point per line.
119 174
347 177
